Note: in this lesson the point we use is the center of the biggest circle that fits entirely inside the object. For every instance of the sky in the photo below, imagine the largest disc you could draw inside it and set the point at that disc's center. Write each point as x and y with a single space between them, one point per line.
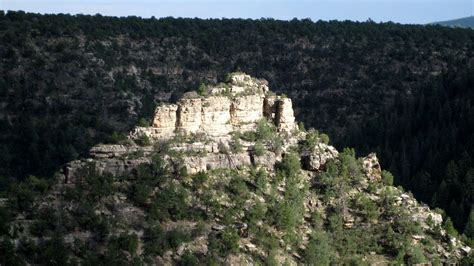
401 11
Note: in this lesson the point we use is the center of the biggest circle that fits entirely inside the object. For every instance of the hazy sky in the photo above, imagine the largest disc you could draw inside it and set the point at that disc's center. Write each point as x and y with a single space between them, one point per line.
403 11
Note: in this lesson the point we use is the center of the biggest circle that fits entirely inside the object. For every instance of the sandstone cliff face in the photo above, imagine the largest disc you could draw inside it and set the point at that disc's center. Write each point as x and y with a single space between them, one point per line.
215 116
237 106
165 119
285 118
234 107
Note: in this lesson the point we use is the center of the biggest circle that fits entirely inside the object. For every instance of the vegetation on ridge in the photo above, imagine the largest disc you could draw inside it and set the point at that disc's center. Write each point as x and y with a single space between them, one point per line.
161 214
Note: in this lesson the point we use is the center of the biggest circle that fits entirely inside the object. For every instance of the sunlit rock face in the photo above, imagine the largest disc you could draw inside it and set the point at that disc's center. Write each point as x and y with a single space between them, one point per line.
235 106
315 159
215 116
165 119
371 167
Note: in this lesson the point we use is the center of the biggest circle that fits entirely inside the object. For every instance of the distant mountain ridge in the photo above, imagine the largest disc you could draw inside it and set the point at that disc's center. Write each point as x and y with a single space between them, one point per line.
467 22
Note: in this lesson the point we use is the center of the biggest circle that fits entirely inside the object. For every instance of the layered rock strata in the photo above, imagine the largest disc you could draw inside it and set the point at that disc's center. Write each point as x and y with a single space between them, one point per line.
236 106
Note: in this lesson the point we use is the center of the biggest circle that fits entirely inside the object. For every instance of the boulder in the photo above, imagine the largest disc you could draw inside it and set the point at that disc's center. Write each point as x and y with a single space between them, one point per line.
315 159
371 167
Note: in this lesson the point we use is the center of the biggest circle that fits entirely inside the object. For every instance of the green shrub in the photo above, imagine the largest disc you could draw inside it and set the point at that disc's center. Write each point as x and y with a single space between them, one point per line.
276 143
265 130
387 178
143 140
118 137
416 256
230 241
158 241
248 136
318 250
45 223
468 260
100 186
368 207
153 173
139 193
258 148
261 180
468 229
8 255
317 220
301 126
22 195
289 212
236 146
170 203
128 242
267 240
255 214
142 122
188 259
324 138
449 227
289 167
176 237
238 188
54 251
202 90
199 179
312 138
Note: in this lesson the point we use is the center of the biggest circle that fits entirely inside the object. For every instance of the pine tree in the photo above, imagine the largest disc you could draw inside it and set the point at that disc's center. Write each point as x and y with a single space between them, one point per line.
469 229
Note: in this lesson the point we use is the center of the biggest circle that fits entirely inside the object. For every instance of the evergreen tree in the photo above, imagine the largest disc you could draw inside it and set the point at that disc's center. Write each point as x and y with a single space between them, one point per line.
469 229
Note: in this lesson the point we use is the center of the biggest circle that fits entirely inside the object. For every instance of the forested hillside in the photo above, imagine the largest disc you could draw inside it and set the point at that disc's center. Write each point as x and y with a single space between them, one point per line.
405 91
467 22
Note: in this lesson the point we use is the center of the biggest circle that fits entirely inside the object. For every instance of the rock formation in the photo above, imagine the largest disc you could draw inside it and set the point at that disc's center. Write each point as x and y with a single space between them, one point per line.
313 160
228 108
237 105
236 148
371 167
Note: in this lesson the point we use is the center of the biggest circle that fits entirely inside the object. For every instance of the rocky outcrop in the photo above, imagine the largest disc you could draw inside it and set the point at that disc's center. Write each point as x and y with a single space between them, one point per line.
285 118
116 160
196 164
371 167
75 171
315 159
165 119
236 106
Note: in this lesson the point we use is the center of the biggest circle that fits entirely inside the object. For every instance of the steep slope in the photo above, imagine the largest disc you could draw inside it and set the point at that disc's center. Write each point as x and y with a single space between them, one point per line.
223 177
